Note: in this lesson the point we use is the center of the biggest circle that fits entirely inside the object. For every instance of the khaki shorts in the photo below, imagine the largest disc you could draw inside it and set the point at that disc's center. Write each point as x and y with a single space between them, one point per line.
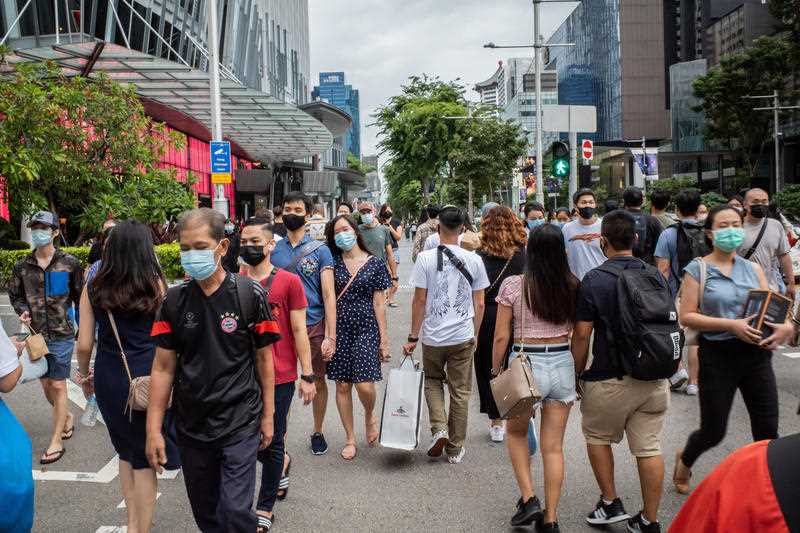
316 334
613 408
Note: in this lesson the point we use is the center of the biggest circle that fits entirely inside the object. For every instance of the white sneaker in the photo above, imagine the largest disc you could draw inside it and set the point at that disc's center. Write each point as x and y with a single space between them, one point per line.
457 458
497 433
678 379
692 390
438 442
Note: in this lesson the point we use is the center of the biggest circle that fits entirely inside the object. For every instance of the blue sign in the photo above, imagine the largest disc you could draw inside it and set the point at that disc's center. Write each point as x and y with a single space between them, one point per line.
220 157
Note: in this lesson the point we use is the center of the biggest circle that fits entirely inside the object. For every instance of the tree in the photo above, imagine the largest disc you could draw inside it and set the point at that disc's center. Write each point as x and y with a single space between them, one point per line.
730 119
84 146
354 163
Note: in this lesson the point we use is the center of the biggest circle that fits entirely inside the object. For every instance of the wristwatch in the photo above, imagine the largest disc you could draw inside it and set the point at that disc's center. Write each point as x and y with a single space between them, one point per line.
310 378
412 338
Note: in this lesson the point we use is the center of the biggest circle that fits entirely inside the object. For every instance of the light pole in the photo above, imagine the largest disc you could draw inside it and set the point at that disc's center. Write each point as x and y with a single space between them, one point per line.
220 202
537 59
776 106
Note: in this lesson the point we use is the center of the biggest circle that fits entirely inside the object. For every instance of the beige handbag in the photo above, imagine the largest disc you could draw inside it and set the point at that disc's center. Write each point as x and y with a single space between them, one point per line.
692 335
139 388
514 390
36 345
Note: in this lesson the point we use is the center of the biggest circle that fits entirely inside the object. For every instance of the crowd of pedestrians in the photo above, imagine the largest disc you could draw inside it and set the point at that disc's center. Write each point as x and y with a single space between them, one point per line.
218 354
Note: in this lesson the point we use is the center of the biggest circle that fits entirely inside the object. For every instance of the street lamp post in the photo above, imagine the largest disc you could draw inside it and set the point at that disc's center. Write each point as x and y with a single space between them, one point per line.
220 202
776 107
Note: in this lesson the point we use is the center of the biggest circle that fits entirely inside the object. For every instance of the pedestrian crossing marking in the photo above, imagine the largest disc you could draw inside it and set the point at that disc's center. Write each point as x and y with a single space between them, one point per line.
122 504
792 355
104 475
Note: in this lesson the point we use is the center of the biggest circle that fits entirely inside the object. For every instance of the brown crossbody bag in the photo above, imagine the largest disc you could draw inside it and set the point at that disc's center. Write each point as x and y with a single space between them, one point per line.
139 388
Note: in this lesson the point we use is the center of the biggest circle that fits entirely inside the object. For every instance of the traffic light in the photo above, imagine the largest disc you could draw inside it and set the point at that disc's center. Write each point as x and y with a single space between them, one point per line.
560 166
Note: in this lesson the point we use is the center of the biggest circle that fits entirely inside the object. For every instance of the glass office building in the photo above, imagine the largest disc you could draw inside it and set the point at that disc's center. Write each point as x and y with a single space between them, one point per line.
333 89
687 124
520 90
617 65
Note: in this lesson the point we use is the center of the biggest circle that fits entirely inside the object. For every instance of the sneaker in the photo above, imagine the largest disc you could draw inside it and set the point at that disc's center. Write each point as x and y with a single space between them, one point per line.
607 514
438 442
692 390
527 513
550 527
319 446
456 459
636 525
497 433
678 379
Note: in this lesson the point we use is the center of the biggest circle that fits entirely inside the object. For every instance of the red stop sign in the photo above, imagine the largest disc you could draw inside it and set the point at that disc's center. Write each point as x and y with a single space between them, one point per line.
587 147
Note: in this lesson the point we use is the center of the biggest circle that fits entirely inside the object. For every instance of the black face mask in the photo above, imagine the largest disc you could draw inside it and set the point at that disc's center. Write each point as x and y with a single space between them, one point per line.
252 255
587 212
758 211
294 222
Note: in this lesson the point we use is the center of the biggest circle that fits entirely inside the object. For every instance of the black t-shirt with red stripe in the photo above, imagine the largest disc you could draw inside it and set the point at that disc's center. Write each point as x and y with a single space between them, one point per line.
216 393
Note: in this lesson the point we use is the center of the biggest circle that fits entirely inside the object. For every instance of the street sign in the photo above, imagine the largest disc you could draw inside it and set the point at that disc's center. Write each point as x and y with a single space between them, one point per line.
221 178
552 194
587 148
565 118
220 157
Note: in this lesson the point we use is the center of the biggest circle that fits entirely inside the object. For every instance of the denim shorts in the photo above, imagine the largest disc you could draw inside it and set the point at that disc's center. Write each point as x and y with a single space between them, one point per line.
554 372
59 360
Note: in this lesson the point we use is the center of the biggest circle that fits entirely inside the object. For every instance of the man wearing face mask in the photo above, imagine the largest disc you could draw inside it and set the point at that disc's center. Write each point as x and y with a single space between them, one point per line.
214 357
765 241
582 235
231 260
534 216
287 301
377 238
42 289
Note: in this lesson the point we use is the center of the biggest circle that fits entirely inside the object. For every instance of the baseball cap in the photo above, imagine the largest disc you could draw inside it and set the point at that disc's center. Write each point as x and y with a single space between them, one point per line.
488 206
44 217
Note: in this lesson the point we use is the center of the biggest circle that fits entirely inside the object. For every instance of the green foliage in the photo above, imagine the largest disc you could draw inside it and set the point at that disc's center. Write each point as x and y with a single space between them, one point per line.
712 199
168 256
787 13
359 166
789 200
672 185
731 121
80 145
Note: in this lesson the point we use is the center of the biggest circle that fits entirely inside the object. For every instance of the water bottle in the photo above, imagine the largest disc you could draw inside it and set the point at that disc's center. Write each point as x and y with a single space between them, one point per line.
89 418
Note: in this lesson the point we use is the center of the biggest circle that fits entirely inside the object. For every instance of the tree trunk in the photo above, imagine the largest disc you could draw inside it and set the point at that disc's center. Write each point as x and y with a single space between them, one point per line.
426 190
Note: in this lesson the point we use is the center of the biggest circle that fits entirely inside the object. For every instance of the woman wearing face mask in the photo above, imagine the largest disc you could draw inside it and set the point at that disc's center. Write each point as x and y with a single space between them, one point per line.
561 217
733 355
362 341
534 216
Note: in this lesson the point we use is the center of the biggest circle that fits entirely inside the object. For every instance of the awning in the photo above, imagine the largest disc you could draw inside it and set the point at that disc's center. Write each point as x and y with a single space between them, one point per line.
336 120
266 128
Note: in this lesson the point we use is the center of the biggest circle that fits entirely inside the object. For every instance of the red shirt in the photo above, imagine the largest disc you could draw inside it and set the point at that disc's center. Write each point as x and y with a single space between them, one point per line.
286 294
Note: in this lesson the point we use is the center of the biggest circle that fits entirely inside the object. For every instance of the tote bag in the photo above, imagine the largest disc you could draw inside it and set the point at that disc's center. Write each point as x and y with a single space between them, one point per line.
402 403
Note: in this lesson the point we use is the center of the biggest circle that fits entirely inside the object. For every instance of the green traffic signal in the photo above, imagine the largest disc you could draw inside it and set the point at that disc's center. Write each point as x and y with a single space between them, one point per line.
560 166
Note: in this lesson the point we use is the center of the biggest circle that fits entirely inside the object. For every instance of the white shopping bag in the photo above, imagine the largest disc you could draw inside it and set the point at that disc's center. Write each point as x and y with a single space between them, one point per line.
402 404
32 370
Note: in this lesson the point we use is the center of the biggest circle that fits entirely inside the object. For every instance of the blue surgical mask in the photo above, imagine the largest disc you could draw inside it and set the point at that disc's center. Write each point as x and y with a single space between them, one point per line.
533 224
558 223
199 264
728 239
41 237
345 240
367 218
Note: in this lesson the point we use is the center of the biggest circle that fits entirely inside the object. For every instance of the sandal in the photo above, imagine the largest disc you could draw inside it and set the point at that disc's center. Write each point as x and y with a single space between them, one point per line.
67 434
681 484
265 522
349 457
58 455
283 484
374 438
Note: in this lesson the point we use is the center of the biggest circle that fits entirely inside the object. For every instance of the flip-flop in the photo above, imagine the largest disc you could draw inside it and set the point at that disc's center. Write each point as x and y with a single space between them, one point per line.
66 435
59 454
355 452
283 484
265 522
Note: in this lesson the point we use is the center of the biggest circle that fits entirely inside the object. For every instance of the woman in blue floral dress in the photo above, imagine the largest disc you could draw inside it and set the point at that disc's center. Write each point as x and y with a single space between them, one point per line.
361 338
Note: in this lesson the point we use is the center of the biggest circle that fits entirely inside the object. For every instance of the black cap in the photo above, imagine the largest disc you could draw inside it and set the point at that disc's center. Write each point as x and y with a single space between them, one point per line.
44 217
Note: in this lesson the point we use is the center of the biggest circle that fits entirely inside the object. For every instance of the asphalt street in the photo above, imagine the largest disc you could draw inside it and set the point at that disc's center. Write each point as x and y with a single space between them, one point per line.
382 489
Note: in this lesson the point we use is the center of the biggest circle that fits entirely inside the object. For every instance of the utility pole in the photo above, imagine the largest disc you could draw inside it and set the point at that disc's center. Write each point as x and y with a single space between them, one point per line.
537 54
220 202
776 107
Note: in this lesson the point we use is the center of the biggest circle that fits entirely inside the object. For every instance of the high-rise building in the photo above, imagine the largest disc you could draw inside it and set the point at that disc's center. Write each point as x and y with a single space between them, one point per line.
521 98
493 90
733 31
617 65
333 89
687 124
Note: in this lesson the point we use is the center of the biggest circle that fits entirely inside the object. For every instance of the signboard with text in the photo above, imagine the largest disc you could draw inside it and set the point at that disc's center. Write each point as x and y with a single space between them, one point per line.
220 162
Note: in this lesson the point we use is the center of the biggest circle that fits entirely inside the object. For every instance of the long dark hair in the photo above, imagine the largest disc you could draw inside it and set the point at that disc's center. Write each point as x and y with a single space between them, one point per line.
551 291
330 234
129 279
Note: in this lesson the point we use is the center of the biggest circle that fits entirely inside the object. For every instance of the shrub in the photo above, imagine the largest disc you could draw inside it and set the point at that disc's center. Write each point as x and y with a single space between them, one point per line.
168 256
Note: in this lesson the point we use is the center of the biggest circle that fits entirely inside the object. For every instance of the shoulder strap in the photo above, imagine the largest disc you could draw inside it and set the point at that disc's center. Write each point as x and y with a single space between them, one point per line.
702 287
500 275
352 278
752 249
307 249
458 263
246 296
783 463
119 343
611 268
270 279
171 304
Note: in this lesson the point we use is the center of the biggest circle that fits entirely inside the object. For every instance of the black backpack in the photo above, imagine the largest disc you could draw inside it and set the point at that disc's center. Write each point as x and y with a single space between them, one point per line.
691 244
640 227
647 341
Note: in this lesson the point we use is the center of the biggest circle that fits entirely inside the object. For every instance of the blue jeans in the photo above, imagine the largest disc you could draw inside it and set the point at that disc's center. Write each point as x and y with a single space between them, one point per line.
554 372
59 360
271 459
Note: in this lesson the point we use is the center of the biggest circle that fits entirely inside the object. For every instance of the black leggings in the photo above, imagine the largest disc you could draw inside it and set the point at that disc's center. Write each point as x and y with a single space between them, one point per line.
724 367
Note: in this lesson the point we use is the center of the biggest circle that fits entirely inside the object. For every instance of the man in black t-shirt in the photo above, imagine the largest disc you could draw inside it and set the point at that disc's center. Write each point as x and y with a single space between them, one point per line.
648 228
213 335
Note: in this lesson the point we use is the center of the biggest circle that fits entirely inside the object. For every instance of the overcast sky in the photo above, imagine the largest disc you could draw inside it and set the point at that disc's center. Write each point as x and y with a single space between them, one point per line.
380 43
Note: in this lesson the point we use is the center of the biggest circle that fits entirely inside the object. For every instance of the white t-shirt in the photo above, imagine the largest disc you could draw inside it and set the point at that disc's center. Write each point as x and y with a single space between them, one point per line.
8 355
448 310
433 241
583 247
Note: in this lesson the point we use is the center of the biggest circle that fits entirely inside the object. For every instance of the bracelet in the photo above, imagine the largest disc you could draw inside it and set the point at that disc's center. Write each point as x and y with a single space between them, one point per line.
395 279
330 339
80 378
412 338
